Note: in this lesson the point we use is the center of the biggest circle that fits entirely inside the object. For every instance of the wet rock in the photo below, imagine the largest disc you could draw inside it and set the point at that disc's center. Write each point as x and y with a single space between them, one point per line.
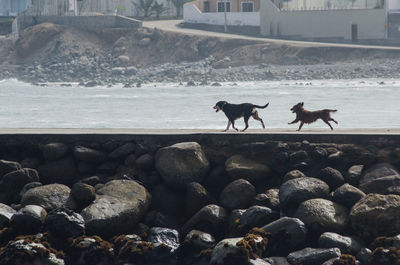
381 178
376 215
200 240
258 262
8 166
277 260
196 198
89 155
364 255
62 171
322 215
268 199
332 177
347 195
297 190
90 250
64 223
239 167
354 174
54 151
182 163
28 219
346 244
83 194
6 212
122 151
119 206
49 197
167 237
257 216
293 174
237 194
211 219
313 256
293 227
223 249
145 162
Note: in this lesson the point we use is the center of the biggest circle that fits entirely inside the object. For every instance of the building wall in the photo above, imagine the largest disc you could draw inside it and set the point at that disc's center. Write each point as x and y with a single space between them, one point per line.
394 4
192 14
13 7
372 23
236 5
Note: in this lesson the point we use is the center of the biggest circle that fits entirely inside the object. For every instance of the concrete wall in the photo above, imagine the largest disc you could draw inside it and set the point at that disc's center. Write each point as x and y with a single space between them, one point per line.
322 23
236 5
192 14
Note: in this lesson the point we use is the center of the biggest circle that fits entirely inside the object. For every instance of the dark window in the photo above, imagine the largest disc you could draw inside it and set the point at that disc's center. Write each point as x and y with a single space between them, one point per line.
247 7
206 7
221 6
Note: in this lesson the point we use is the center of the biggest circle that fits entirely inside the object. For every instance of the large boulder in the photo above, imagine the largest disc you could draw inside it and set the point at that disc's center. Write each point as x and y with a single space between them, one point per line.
54 151
50 196
62 171
89 155
293 174
211 219
8 166
313 256
295 191
376 215
347 195
65 223
239 167
237 194
381 178
322 215
6 212
346 244
28 219
200 240
332 177
182 163
167 237
257 216
196 197
15 180
118 207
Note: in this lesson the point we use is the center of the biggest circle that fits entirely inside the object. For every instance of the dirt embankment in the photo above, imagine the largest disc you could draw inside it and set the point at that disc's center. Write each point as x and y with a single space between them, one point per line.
51 48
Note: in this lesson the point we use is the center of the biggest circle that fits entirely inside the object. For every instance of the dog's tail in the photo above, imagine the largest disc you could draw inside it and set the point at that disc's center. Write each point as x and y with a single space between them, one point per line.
261 107
332 110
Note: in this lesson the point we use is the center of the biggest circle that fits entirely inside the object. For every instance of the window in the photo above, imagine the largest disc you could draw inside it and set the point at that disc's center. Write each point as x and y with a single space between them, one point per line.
221 6
206 7
247 7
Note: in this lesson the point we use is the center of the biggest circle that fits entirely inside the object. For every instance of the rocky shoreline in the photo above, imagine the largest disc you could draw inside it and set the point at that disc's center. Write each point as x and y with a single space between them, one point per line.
142 202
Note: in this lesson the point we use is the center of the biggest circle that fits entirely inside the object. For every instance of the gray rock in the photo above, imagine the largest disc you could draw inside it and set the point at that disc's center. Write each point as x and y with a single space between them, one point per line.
376 215
49 197
15 180
277 260
332 177
119 206
92 181
297 190
223 249
322 215
354 174
65 223
29 186
62 171
319 153
83 194
89 155
268 199
200 240
168 201
294 227
347 195
234 221
29 219
211 219
130 70
182 163
382 179
6 212
313 256
239 167
258 262
364 255
346 244
54 151
145 162
237 194
167 237
122 151
8 166
298 156
293 174
257 216
196 198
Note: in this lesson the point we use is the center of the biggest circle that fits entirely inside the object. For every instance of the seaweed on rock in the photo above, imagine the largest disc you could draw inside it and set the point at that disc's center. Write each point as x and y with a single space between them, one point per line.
345 259
90 250
382 256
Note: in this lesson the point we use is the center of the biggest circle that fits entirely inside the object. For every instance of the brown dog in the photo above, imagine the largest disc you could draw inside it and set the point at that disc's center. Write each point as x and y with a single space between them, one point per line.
305 116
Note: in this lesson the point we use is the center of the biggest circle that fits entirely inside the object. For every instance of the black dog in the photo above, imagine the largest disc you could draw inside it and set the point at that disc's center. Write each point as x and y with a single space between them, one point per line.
236 111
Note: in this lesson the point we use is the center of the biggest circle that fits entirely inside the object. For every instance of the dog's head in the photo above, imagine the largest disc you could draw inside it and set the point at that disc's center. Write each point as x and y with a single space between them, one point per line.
219 105
297 107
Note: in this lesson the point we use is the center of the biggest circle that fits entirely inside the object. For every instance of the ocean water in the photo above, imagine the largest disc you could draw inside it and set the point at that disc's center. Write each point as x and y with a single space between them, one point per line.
369 103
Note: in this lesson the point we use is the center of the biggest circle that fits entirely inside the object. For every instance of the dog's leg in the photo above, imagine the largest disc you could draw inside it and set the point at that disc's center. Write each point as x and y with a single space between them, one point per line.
246 122
327 122
227 127
331 119
233 126
295 120
301 125
256 117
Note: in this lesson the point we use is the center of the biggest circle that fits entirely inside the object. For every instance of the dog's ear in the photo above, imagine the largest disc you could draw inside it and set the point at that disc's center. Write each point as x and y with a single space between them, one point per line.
302 103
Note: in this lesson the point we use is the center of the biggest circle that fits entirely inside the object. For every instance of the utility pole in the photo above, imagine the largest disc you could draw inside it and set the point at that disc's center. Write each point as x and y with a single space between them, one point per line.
225 24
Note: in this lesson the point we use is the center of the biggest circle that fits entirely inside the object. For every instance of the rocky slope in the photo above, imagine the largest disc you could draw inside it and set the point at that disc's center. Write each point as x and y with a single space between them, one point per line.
253 203
49 52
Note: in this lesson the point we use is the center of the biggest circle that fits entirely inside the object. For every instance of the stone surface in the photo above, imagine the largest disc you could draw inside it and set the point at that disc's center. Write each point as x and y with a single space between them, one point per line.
83 194
313 256
6 212
346 244
381 178
54 151
62 171
322 215
145 162
200 240
239 167
196 198
8 166
295 191
332 177
167 237
257 216
65 223
15 180
223 249
182 163
268 199
50 196
347 195
122 151
354 174
89 155
119 205
211 219
277 260
29 219
238 194
376 215
293 174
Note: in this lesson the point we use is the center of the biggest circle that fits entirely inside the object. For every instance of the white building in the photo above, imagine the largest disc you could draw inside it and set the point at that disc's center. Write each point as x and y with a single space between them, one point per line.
13 7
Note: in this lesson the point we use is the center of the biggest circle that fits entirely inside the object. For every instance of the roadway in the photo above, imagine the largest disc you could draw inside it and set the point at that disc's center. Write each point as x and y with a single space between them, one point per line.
171 25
